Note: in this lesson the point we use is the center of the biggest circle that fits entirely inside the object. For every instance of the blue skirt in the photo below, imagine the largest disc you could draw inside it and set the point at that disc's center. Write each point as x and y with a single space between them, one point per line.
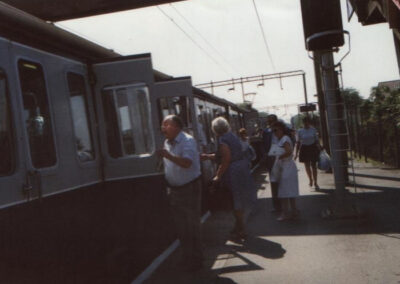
239 180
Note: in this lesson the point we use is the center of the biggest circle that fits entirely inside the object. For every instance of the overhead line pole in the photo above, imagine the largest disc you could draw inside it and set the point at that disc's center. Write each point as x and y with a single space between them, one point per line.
252 79
262 78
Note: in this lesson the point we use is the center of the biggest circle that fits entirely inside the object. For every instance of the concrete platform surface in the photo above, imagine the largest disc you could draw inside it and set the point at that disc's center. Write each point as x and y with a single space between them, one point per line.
310 249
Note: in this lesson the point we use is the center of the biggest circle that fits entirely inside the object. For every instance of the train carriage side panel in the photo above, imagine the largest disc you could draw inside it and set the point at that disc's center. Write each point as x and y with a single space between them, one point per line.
47 119
12 165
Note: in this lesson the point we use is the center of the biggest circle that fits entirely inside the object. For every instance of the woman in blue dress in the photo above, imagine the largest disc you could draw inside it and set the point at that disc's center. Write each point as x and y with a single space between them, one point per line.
233 172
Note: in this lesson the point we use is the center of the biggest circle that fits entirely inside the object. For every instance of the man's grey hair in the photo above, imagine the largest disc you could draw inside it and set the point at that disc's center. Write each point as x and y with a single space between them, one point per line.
175 119
220 126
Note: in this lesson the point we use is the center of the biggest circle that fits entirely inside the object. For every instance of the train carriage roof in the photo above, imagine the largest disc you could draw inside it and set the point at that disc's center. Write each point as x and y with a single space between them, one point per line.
57 10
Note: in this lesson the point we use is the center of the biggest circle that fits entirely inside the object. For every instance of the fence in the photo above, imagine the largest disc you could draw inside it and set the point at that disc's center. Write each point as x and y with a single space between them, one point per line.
377 140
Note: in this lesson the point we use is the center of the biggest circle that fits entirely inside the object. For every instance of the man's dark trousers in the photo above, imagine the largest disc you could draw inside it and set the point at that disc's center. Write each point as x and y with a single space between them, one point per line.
186 209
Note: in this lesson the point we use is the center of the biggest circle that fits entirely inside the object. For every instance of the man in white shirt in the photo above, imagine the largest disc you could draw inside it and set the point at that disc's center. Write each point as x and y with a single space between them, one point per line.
182 172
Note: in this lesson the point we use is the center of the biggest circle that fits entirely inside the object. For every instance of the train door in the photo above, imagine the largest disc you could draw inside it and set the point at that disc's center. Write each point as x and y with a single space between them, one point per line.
175 97
124 98
13 180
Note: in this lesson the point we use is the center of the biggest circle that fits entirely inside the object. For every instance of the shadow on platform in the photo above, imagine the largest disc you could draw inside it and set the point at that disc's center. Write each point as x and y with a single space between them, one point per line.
381 215
224 256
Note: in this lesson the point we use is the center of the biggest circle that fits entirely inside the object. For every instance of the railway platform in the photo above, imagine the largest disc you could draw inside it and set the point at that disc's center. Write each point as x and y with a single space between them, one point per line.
307 250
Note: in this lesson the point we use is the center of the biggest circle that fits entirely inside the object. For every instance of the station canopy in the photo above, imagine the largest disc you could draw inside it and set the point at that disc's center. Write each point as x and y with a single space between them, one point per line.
58 10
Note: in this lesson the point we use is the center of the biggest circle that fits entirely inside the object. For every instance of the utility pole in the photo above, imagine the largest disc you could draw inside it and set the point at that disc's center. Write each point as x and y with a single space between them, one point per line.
323 32
336 119
321 102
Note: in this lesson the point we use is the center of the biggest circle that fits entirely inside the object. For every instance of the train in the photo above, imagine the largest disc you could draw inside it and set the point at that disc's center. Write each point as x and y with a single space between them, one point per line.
82 195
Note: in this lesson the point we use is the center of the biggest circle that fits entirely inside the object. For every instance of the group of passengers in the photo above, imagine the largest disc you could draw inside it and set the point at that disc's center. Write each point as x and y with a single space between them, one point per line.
234 154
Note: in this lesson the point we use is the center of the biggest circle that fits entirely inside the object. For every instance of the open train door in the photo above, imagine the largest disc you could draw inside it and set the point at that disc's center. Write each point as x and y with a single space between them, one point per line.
124 91
175 96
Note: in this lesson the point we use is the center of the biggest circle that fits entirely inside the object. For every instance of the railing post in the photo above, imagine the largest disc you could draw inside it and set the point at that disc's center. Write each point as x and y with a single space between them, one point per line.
380 140
397 145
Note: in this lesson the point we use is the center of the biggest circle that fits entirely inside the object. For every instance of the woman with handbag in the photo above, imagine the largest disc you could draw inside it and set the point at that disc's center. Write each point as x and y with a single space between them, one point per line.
309 148
285 172
234 173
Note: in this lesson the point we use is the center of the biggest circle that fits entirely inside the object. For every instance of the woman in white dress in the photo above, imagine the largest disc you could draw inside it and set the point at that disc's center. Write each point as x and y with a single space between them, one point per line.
285 172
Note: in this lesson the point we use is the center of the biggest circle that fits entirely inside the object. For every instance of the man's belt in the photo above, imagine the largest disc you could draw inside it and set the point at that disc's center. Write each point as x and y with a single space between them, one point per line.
184 185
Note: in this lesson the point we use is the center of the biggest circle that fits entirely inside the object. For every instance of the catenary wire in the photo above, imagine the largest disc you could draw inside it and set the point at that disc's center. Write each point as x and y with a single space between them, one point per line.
202 37
187 35
264 37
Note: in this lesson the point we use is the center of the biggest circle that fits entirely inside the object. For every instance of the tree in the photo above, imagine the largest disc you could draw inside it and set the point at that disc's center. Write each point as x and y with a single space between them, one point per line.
352 98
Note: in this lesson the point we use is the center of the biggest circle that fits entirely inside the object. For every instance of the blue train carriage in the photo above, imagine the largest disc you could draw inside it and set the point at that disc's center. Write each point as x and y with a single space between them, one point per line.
82 195
71 191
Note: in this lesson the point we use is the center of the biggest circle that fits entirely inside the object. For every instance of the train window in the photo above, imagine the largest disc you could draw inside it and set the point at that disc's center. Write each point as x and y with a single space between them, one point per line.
7 153
128 120
234 120
209 118
175 105
201 126
80 116
37 114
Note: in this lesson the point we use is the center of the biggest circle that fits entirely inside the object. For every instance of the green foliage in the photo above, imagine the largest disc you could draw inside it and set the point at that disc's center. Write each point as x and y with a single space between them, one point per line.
352 97
245 105
382 104
263 114
297 120
380 116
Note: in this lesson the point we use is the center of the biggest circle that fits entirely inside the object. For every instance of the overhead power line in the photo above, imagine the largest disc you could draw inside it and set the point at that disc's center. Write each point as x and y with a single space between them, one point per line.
202 37
188 36
264 37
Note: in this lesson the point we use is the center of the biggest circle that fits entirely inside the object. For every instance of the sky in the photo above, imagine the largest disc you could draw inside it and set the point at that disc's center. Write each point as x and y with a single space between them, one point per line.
223 40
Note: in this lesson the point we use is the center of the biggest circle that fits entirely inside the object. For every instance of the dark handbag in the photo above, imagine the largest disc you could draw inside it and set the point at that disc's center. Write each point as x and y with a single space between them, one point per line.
219 196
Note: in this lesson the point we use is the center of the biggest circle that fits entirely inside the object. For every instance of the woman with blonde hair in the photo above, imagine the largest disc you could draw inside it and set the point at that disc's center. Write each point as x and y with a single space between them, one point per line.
233 172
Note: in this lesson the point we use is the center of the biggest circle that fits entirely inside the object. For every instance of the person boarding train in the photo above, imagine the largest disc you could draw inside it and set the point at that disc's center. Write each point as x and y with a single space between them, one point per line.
182 172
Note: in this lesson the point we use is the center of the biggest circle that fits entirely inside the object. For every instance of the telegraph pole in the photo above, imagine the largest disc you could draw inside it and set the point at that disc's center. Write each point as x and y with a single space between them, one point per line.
321 102
323 32
335 119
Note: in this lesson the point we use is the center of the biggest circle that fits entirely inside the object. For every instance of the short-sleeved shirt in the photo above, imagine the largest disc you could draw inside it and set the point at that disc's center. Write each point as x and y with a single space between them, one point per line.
183 146
307 136
269 139
282 142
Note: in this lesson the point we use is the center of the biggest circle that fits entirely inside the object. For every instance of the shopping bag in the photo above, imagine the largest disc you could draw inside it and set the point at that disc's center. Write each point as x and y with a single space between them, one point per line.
324 161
